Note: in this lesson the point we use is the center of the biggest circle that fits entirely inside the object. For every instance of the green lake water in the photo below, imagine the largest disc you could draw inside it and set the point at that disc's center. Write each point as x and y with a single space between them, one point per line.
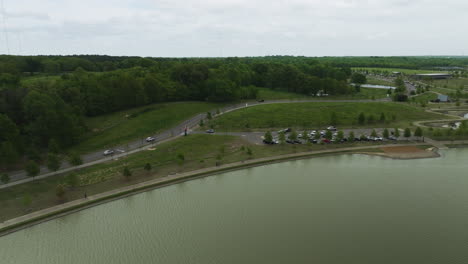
329 210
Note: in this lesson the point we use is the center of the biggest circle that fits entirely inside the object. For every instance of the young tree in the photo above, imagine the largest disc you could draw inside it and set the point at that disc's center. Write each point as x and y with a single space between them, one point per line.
180 158
317 136
361 119
60 191
370 119
351 136
396 132
32 169
374 133
249 152
293 135
333 119
418 132
126 172
208 115
268 137
75 159
282 137
340 136
53 162
386 134
53 147
305 136
382 118
72 180
5 178
328 135
407 133
201 124
148 167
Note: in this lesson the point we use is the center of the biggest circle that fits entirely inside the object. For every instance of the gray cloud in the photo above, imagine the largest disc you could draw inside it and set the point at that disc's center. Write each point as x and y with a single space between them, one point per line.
236 27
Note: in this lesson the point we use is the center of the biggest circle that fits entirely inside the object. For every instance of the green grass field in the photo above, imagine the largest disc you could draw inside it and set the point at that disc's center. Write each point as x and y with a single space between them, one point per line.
121 127
425 97
199 151
452 84
365 93
316 115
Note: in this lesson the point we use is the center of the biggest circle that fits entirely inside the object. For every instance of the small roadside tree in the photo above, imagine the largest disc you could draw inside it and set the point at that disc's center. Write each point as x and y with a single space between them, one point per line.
5 178
208 115
53 147
340 136
385 133
282 137
75 159
32 169
373 133
361 119
126 172
418 132
382 118
328 134
53 162
268 137
148 168
292 135
72 180
407 133
396 132
351 136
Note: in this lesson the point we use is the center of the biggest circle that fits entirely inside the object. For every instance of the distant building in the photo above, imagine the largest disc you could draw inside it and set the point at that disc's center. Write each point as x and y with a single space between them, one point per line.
432 75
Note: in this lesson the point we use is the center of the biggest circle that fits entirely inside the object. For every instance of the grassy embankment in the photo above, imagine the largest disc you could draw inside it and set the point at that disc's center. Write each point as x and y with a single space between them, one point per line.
365 93
199 151
118 128
424 97
318 115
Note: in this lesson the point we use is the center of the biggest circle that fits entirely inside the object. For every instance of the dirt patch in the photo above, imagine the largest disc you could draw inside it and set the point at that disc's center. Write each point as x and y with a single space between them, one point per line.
402 149
406 152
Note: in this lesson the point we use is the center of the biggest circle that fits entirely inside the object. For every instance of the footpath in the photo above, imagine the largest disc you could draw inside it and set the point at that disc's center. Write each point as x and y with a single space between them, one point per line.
24 221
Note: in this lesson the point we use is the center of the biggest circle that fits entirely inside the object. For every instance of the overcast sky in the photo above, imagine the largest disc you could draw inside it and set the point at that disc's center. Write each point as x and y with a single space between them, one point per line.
207 28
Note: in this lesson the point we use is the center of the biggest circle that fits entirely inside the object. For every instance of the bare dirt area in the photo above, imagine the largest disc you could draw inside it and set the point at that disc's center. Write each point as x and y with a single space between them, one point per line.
406 152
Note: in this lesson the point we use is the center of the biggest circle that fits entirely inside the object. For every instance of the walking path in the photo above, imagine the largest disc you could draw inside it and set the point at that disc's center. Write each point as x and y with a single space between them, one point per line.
15 224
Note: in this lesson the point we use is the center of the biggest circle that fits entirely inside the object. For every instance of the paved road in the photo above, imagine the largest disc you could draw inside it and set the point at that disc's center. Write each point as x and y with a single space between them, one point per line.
139 145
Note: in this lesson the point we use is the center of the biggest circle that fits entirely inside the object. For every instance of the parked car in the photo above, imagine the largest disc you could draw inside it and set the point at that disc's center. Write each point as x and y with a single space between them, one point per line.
108 152
290 141
331 128
150 139
392 138
210 131
297 141
260 100
286 130
326 141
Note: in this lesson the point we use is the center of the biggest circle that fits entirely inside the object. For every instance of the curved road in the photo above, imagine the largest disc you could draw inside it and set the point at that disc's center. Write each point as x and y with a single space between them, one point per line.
18 177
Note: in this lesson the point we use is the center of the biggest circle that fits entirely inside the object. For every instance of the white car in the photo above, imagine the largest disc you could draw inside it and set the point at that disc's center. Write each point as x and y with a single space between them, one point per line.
150 139
108 152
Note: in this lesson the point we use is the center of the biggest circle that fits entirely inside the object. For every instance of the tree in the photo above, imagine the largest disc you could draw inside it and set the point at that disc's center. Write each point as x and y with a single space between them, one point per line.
249 152
386 134
53 147
32 169
317 136
126 172
180 158
351 136
53 162
328 134
292 135
201 124
340 136
268 137
305 136
407 133
358 78
5 178
396 132
75 159
148 167
374 133
208 115
370 119
382 118
282 137
333 119
72 180
418 132
60 191
361 119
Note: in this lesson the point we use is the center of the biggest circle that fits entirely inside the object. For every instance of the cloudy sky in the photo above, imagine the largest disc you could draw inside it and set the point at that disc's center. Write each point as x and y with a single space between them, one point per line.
202 28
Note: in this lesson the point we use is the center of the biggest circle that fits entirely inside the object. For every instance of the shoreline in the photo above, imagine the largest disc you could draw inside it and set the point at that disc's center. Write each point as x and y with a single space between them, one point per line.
44 215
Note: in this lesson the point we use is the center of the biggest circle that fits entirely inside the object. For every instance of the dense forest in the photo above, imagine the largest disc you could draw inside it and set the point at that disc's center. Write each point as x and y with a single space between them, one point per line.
44 99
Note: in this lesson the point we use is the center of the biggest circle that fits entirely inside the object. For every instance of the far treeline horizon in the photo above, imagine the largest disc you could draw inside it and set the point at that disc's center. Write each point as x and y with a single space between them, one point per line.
45 99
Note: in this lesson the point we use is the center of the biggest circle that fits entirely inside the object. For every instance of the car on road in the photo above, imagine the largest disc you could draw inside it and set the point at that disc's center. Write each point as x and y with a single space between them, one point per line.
108 152
260 100
331 128
150 139
210 131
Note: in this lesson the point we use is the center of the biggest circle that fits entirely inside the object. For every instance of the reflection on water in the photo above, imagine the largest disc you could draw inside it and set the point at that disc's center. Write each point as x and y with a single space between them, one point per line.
337 209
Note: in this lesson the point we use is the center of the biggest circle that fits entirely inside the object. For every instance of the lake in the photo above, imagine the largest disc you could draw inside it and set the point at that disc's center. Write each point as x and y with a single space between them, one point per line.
336 209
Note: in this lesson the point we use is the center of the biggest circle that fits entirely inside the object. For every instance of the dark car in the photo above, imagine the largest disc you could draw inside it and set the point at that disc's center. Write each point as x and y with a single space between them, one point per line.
297 141
290 141
210 131
260 100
